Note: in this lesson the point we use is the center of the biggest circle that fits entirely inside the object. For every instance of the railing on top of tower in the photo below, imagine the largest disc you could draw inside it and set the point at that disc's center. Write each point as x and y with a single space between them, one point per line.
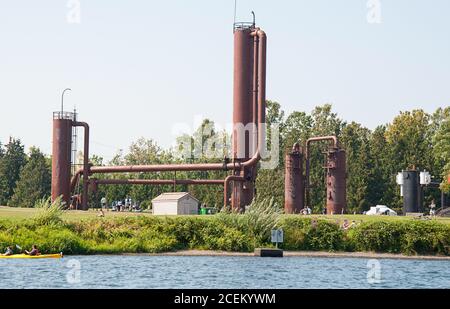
64 115
245 25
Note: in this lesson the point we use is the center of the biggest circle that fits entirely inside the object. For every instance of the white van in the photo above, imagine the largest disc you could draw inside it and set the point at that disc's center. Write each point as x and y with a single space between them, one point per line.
380 210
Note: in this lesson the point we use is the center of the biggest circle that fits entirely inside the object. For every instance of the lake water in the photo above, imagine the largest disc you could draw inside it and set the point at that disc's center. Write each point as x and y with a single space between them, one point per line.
222 272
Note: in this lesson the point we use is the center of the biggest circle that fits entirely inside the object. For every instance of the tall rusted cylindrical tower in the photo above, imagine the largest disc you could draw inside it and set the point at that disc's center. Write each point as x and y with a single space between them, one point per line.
336 181
243 93
294 186
244 100
61 156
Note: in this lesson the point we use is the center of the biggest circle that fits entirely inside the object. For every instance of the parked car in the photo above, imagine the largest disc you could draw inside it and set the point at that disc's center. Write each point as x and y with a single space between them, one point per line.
380 210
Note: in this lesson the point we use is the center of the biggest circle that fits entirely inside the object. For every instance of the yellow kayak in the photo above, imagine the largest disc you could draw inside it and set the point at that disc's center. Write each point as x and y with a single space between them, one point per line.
24 256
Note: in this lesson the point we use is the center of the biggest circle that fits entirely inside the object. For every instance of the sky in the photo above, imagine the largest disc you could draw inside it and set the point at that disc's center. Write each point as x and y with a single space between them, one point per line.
144 68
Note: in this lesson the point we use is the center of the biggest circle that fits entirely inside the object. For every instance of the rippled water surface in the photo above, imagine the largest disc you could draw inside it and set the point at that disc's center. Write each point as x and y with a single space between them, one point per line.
221 272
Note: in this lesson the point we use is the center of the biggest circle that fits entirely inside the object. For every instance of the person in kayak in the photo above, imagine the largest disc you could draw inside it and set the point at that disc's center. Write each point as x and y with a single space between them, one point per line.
34 251
8 252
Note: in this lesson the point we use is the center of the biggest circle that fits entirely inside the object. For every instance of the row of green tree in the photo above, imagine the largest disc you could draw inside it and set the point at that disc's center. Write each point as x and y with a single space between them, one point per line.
414 139
24 178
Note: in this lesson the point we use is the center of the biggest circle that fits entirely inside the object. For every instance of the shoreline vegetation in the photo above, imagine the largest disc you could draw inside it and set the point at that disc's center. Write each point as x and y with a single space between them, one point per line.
53 230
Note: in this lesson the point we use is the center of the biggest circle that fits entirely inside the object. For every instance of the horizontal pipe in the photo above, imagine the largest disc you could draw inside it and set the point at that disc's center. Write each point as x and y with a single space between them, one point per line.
158 181
323 138
164 168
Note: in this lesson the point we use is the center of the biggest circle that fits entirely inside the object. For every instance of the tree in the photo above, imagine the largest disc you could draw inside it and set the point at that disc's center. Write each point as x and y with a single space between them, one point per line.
274 113
3 180
146 151
270 184
355 140
382 187
274 176
34 182
11 163
296 128
441 142
274 117
409 139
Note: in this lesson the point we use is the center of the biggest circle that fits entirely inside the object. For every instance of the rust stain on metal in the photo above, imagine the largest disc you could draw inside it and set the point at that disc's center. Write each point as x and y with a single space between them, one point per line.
61 157
249 101
294 189
336 181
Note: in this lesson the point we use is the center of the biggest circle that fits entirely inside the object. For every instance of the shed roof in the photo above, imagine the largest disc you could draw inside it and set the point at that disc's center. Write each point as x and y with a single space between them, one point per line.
173 196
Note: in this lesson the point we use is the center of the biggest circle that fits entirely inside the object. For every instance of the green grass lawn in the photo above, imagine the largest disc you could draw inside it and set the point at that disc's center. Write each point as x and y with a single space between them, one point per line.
363 218
13 213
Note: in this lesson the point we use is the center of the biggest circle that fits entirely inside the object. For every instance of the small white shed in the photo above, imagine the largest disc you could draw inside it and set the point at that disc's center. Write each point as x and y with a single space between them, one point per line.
175 203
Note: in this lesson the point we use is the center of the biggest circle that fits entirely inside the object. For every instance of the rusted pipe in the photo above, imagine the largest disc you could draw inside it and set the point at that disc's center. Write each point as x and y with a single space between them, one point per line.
255 94
335 141
226 189
75 179
84 197
225 182
262 54
158 181
164 168
323 138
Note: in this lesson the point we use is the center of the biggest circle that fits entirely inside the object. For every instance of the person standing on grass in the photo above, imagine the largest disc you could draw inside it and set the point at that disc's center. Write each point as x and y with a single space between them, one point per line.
432 207
103 202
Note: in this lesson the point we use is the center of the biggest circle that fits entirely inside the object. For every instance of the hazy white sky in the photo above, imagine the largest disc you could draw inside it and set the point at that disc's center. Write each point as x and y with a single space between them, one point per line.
139 68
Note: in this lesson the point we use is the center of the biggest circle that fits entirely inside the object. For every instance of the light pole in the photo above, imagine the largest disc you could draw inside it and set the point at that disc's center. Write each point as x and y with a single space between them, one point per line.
62 100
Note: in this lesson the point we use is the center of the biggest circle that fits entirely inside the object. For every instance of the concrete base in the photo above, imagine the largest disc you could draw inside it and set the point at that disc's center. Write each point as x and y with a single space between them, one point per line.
268 252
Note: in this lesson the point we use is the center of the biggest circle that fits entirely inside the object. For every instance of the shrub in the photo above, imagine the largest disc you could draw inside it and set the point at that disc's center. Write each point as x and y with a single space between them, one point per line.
424 238
305 234
49 213
258 221
378 236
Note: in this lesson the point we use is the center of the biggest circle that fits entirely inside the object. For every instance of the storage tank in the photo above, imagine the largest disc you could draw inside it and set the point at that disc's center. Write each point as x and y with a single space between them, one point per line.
294 184
61 156
243 92
412 194
244 127
336 181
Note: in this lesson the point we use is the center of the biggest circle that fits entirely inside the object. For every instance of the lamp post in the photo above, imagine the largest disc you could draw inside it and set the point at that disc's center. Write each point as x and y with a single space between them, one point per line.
62 100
